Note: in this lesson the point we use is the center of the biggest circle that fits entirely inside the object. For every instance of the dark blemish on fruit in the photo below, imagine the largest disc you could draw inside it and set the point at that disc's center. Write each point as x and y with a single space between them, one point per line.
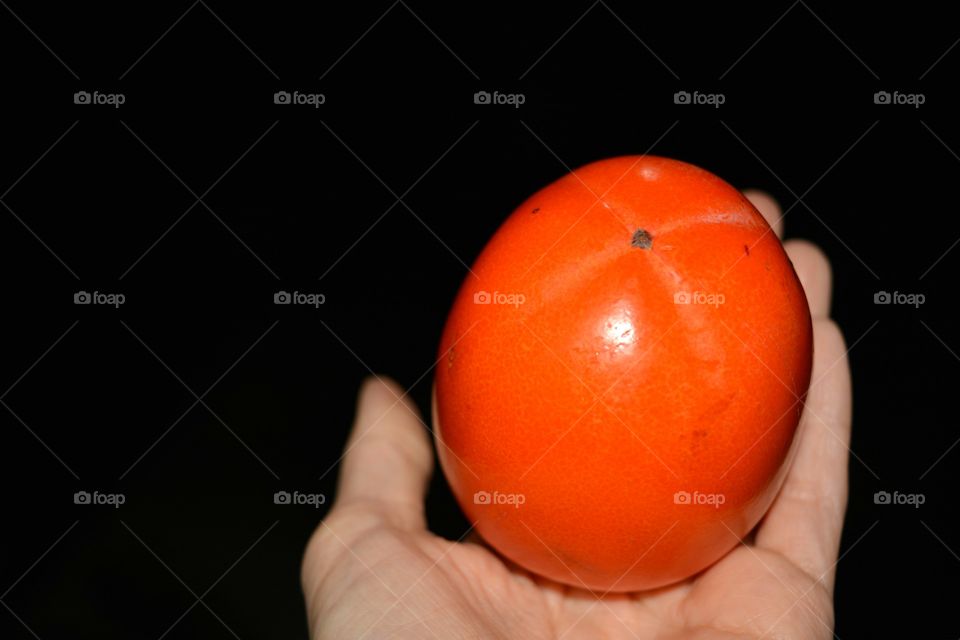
697 440
746 250
641 239
450 358
535 210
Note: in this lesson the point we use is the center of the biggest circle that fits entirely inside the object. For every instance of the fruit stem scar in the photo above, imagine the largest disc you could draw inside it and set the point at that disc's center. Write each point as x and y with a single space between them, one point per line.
641 239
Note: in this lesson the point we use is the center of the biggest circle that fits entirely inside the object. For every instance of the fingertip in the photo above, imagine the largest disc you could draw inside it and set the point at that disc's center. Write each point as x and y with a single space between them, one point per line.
380 400
388 458
375 388
768 208
813 269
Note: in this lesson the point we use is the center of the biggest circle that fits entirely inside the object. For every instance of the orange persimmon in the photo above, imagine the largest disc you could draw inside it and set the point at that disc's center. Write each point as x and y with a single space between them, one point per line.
622 374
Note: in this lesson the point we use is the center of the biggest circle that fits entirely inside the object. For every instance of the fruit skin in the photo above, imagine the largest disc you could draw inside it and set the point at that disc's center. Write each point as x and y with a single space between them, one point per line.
600 395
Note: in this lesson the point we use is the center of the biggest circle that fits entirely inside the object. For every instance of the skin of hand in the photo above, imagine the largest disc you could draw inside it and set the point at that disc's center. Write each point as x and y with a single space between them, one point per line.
373 570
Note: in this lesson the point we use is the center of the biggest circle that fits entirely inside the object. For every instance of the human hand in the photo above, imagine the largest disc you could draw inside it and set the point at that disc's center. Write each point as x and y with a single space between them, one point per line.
373 570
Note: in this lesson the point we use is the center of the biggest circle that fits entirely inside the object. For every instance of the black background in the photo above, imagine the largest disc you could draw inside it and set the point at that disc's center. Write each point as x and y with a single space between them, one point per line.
297 198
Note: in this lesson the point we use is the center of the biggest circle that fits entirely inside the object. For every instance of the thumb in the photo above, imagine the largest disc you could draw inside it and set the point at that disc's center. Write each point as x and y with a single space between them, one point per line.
388 460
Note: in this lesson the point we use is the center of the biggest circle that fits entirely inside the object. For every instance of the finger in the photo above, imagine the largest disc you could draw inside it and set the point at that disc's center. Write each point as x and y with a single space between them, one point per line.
388 459
767 206
813 269
805 522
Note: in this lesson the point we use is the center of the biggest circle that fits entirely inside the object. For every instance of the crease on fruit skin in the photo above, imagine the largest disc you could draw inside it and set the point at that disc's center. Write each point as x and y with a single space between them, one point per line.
557 284
664 265
617 331
743 218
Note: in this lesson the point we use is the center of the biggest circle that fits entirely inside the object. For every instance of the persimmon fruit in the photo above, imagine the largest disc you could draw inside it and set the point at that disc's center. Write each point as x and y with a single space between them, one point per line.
621 376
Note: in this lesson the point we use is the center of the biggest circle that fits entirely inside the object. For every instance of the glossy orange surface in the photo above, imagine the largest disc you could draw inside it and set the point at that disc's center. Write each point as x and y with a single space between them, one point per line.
622 374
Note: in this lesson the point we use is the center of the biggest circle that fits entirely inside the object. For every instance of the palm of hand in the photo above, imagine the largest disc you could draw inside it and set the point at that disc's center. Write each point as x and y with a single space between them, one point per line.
416 585
372 568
